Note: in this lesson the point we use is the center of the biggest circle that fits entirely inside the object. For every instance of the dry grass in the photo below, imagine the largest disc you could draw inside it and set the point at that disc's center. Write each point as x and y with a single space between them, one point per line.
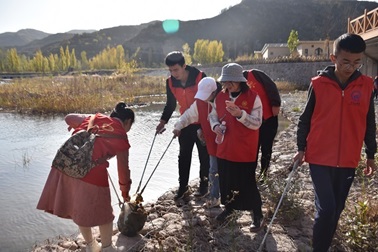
82 94
285 86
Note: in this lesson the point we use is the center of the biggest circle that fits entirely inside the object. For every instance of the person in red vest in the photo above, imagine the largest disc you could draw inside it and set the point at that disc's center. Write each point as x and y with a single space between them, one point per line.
240 108
267 90
199 111
338 118
181 87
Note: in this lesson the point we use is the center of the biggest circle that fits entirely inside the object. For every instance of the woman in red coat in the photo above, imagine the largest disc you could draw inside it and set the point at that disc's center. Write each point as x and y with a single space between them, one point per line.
87 201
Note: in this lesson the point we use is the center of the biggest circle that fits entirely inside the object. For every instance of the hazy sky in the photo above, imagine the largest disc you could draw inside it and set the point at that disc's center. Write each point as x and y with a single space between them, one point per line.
54 16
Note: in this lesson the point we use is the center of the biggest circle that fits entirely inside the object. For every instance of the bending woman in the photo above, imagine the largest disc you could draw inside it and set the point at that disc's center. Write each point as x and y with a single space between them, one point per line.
87 201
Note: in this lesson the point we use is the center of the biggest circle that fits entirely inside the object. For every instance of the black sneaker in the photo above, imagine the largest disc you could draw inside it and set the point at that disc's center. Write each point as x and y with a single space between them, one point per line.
223 215
181 192
202 192
257 224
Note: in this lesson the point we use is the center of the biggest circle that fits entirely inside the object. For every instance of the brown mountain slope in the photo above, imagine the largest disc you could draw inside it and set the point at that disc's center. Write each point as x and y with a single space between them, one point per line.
242 29
246 27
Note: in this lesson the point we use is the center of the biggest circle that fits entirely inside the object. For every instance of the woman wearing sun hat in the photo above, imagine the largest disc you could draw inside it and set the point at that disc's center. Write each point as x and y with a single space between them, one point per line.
241 109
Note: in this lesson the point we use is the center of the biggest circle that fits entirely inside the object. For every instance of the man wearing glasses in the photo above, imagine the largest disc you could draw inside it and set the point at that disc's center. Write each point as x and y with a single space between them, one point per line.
338 118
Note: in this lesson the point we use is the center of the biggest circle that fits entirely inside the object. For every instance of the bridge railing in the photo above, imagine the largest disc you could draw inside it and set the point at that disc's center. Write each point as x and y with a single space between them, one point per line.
364 23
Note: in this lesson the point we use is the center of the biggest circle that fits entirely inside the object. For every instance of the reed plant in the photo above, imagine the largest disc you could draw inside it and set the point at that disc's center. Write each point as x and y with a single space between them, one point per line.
80 94
359 222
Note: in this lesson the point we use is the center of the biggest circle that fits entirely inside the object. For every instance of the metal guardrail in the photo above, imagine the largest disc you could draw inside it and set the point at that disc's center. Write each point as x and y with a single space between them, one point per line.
364 23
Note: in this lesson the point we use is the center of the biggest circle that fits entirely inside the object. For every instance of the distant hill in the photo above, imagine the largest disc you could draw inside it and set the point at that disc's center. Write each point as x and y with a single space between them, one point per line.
20 38
242 29
80 31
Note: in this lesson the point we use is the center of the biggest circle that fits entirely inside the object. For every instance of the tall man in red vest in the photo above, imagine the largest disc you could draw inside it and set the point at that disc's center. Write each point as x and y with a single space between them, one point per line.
181 87
267 90
338 118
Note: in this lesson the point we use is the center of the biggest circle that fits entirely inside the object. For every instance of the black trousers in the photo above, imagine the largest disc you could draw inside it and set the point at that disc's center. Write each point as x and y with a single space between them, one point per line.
331 185
267 133
187 139
239 177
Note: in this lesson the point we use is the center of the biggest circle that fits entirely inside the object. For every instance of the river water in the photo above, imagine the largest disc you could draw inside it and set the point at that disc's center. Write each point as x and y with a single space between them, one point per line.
27 146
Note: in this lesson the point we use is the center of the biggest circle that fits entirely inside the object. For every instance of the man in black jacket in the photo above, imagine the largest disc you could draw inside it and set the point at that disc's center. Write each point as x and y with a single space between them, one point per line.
181 87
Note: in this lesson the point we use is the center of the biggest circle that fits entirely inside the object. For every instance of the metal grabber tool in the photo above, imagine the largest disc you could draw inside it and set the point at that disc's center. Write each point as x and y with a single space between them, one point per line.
295 166
137 197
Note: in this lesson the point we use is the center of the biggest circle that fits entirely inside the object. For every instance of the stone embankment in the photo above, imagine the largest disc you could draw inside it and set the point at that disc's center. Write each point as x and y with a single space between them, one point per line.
188 226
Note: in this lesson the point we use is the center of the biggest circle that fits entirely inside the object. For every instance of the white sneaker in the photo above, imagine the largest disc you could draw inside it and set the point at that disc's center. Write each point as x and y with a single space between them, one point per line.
211 203
110 248
94 246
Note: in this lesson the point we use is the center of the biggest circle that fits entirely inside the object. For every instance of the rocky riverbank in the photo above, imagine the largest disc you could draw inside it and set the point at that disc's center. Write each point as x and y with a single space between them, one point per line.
187 226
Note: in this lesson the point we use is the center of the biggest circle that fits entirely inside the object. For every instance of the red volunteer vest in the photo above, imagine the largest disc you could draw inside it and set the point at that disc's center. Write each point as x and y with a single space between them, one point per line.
204 109
259 89
240 143
185 96
338 122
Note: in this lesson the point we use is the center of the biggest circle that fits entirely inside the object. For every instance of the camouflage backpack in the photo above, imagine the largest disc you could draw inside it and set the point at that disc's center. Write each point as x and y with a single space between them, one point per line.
74 157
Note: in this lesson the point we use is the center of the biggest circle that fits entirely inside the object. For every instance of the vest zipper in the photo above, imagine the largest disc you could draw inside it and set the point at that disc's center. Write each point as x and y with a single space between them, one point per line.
340 127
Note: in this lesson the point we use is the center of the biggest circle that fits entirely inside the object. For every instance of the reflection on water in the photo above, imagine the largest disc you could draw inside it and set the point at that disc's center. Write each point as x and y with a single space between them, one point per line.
27 147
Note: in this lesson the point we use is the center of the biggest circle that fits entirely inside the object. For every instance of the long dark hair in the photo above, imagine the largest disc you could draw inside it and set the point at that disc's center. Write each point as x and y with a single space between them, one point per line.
121 112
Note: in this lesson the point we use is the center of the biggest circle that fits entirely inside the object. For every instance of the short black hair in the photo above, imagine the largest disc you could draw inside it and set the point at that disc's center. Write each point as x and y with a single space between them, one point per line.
349 42
175 57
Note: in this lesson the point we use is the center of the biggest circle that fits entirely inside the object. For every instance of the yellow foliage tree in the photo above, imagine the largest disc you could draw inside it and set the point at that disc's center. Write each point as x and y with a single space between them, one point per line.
206 51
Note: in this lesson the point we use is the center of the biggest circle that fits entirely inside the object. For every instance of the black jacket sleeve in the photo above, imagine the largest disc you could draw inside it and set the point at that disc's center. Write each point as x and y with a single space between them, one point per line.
170 104
370 140
304 123
269 86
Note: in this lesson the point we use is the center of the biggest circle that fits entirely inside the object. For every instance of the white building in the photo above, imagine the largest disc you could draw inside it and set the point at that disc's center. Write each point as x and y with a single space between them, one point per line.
321 48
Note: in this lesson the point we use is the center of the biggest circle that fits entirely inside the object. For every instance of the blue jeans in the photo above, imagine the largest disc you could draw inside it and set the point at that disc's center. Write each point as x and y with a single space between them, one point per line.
214 178
331 185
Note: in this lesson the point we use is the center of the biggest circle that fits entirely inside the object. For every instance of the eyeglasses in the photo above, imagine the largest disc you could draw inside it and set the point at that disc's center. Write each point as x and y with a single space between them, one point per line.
348 66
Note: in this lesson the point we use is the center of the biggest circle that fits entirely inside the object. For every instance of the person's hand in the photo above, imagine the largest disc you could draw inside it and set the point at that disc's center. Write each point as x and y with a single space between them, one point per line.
233 109
218 130
176 132
126 196
275 110
300 155
160 128
370 167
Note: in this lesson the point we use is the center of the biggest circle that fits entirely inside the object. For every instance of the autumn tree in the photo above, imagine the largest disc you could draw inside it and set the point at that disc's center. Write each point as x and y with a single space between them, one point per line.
12 61
120 57
67 56
84 60
52 63
206 51
62 59
293 41
37 62
109 58
73 60
186 52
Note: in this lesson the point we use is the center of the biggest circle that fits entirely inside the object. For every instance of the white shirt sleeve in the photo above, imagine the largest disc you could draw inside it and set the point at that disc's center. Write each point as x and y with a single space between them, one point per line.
190 116
213 117
253 120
